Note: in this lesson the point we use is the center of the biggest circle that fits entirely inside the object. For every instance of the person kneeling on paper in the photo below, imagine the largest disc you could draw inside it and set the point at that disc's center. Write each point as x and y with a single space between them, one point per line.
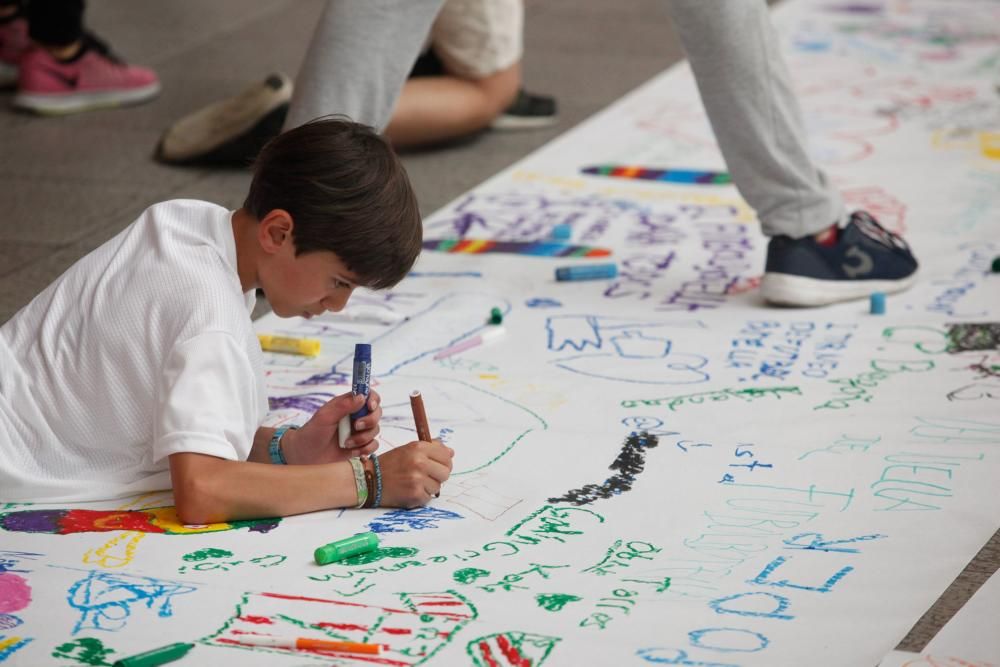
139 368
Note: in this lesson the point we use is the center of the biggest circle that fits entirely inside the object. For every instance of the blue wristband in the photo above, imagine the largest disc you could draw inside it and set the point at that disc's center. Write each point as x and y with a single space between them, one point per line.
378 482
274 449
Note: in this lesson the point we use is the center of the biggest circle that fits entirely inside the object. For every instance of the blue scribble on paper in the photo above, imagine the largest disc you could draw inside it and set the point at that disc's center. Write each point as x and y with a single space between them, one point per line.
305 402
542 302
623 349
400 521
9 560
9 650
332 377
106 600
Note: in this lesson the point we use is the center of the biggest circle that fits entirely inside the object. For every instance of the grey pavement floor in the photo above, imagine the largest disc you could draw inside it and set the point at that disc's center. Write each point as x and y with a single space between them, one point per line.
68 184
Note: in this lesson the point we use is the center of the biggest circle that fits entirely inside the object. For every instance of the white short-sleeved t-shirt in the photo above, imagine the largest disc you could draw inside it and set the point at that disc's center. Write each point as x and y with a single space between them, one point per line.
143 348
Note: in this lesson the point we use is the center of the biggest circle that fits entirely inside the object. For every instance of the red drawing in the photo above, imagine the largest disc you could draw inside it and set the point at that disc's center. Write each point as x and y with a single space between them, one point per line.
408 636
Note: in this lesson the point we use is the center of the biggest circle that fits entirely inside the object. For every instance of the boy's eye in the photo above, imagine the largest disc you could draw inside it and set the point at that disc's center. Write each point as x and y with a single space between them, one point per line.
340 284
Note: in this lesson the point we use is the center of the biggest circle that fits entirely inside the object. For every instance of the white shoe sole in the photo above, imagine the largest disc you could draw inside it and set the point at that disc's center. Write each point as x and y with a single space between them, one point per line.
505 122
784 289
203 131
64 103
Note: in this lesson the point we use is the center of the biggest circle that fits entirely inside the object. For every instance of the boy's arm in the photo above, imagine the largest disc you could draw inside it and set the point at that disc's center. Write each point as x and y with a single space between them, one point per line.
208 489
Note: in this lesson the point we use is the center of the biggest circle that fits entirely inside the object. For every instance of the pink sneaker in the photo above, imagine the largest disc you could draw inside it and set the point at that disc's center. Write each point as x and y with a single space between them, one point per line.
93 80
14 42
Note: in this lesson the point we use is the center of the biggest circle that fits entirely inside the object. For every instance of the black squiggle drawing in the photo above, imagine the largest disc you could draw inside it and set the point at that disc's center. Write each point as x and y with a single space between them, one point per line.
629 463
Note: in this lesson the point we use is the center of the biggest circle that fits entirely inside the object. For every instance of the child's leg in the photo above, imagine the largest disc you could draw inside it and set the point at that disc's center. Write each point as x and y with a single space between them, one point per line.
353 42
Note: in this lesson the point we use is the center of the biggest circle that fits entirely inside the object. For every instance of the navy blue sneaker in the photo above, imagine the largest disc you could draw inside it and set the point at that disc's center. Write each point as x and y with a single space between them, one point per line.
865 258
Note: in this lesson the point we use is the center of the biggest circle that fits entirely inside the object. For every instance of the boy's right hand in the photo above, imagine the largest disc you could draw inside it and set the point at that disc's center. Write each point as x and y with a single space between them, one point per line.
413 474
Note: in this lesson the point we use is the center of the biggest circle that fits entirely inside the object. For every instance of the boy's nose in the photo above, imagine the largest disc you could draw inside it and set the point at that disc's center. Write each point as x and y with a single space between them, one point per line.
336 303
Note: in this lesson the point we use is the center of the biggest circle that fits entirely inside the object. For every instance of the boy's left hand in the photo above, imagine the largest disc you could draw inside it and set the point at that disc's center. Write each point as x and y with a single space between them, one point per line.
317 440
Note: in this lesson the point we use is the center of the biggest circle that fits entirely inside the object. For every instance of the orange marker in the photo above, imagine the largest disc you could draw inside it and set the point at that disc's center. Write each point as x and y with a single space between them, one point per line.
306 644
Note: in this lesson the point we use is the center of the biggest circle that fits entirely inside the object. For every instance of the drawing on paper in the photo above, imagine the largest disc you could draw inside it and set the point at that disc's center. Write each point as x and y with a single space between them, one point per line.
154 520
409 635
512 648
106 600
629 463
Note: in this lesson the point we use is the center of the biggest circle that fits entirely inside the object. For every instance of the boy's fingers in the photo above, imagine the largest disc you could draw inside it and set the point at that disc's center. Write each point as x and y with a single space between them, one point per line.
342 405
438 472
369 420
368 449
441 453
361 438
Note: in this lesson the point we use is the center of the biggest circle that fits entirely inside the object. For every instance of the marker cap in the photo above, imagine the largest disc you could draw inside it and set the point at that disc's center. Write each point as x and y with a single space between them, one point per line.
562 232
350 546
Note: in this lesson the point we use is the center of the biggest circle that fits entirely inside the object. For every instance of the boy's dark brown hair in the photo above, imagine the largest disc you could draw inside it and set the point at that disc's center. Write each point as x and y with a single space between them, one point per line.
347 192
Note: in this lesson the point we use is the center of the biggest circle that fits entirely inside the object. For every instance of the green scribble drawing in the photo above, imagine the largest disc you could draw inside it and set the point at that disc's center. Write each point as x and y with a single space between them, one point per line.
84 651
203 554
379 554
544 427
556 520
660 585
468 575
555 601
510 648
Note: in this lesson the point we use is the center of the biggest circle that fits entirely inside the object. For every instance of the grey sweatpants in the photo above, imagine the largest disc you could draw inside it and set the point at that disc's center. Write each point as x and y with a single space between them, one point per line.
358 60
362 51
747 92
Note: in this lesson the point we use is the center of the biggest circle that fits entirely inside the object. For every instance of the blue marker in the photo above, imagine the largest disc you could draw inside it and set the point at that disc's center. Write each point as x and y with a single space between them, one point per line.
361 382
587 272
562 232
878 303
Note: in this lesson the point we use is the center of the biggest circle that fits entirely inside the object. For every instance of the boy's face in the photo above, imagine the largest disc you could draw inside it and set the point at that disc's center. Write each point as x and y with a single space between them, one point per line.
308 285
305 285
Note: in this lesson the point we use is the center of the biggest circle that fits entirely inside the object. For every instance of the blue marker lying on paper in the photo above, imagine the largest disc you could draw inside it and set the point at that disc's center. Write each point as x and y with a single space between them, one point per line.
360 385
587 272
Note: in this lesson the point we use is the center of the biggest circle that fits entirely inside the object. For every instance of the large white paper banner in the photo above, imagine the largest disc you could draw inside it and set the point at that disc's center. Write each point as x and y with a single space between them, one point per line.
654 469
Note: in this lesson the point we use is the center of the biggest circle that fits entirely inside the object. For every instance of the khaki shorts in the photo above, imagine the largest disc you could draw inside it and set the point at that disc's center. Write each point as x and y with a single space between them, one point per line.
477 38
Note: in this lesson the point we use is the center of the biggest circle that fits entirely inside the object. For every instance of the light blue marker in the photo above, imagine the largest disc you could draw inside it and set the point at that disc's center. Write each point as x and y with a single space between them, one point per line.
587 272
878 303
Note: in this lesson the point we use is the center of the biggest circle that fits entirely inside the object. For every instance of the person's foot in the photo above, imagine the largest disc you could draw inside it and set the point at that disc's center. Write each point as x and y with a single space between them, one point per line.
92 79
863 257
230 131
14 42
527 111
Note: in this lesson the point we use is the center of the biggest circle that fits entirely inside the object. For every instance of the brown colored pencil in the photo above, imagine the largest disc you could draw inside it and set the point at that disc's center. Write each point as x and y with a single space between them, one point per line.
419 416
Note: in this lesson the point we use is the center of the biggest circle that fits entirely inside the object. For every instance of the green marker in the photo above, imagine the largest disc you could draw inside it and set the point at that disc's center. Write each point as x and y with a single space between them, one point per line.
361 543
157 656
496 316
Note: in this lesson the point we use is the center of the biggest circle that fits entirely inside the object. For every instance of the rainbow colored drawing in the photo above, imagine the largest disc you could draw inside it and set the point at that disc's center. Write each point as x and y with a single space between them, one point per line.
688 176
537 248
154 520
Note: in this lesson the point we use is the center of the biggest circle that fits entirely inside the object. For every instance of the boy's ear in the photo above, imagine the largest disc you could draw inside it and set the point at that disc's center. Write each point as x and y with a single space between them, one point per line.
275 230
